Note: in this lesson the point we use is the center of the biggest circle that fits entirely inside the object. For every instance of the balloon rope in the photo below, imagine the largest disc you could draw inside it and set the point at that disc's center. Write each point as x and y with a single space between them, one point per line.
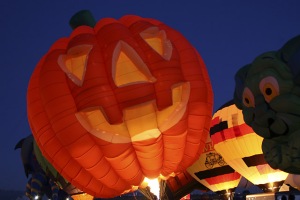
146 192
134 195
162 190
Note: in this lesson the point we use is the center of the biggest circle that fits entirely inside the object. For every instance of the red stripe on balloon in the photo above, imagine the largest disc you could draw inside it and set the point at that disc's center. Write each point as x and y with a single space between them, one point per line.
230 133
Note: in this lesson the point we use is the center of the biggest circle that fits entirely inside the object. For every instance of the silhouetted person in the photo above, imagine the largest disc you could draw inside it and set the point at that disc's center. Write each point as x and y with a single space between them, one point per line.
283 197
291 197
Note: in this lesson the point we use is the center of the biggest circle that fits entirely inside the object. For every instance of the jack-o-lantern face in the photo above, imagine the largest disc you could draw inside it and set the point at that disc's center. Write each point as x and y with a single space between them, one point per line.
124 100
129 72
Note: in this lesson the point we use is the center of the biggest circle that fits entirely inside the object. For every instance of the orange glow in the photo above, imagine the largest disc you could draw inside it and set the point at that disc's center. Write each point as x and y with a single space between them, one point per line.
151 122
74 62
153 184
83 196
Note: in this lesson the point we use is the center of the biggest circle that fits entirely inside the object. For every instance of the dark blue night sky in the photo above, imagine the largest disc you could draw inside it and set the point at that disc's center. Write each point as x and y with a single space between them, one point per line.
227 34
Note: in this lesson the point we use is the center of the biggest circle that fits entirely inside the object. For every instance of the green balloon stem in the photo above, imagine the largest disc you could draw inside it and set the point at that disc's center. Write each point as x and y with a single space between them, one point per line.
82 18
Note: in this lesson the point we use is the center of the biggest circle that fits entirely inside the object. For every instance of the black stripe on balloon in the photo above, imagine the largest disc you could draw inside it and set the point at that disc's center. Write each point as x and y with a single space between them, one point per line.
218 127
255 160
214 172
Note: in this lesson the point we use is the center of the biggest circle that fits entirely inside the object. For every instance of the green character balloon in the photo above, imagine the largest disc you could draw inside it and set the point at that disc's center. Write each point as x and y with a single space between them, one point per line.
268 92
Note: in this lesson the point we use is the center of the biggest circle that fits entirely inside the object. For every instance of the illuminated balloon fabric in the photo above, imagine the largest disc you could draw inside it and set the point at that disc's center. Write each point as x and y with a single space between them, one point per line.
212 171
127 99
293 180
83 196
240 146
268 92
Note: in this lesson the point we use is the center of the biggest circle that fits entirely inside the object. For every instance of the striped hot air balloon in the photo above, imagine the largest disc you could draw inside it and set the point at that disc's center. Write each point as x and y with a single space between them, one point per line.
212 171
240 147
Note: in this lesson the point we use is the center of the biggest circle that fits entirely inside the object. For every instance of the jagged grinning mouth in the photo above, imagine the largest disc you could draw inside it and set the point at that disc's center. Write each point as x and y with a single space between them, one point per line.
140 122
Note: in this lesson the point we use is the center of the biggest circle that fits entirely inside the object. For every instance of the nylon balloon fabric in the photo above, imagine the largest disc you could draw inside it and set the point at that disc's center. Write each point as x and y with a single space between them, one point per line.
241 148
118 102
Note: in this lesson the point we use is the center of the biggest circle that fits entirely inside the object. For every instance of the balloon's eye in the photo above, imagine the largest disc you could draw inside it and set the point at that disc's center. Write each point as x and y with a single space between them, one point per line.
74 62
248 98
157 39
269 88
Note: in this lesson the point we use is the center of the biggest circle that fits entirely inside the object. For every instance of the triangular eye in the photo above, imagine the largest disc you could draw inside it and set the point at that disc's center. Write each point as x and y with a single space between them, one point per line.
158 40
128 67
74 62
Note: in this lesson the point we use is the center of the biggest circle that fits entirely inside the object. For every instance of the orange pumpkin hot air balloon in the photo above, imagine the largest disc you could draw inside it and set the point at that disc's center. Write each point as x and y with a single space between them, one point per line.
213 172
240 146
118 102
